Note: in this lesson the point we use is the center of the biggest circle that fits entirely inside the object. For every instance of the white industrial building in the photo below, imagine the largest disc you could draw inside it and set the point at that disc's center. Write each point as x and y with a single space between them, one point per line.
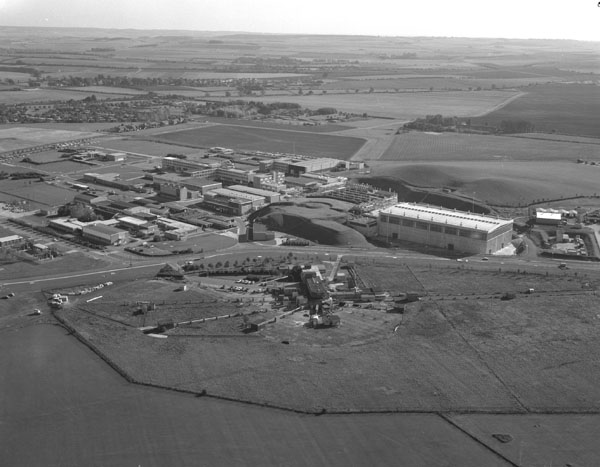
444 228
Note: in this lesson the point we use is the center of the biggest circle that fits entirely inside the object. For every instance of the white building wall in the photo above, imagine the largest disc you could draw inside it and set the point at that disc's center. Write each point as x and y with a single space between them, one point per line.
485 244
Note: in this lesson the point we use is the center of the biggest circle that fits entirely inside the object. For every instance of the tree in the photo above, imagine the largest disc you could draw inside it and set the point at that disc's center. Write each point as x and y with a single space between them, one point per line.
516 126
82 212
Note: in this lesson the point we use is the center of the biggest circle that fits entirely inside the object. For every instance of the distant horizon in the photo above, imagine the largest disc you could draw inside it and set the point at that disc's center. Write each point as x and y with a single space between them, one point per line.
513 19
258 33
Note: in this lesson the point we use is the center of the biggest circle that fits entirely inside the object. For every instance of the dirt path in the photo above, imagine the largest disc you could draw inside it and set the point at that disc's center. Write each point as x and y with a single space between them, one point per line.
501 105
379 138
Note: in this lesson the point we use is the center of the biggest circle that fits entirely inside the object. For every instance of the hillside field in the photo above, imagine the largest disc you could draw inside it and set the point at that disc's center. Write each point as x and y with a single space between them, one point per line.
497 183
572 109
270 140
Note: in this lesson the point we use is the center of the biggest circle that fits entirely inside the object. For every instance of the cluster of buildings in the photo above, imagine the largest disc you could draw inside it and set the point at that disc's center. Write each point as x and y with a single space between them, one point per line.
188 194
236 184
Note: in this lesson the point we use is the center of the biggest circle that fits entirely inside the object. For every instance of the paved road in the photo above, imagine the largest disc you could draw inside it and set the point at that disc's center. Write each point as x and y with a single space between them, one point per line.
147 267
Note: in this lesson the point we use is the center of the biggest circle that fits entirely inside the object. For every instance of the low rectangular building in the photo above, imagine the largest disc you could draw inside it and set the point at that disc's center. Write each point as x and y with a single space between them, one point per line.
444 228
196 168
132 223
231 176
11 240
548 217
256 200
270 196
103 234
237 206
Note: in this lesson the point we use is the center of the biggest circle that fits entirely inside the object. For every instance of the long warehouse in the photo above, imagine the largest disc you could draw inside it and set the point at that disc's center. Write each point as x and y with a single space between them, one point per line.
444 228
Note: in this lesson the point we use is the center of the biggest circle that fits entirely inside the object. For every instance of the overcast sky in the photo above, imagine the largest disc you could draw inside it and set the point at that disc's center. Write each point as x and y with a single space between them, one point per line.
553 19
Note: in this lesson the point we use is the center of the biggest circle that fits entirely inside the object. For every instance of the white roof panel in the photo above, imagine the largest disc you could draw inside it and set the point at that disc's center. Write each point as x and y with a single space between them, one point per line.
444 216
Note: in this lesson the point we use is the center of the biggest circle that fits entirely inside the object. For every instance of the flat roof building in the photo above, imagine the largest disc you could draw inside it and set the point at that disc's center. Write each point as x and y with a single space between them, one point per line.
132 223
270 196
103 234
256 200
444 228
11 240
548 217
297 168
196 168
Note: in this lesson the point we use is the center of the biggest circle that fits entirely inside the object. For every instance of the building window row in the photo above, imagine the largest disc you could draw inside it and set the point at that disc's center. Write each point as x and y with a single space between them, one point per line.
434 227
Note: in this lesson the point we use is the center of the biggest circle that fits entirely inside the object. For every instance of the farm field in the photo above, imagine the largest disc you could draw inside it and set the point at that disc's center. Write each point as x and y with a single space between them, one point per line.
31 96
109 90
84 127
110 422
37 194
407 106
571 109
537 440
496 183
442 147
15 76
18 137
426 82
285 141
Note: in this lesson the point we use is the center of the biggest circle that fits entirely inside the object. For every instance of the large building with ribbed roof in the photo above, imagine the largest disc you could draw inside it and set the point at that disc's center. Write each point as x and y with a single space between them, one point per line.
444 228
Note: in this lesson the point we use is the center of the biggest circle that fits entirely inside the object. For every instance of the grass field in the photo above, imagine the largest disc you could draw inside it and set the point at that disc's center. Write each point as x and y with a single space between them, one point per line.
404 105
421 147
38 194
453 356
537 440
251 138
454 279
69 262
111 423
572 109
495 182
